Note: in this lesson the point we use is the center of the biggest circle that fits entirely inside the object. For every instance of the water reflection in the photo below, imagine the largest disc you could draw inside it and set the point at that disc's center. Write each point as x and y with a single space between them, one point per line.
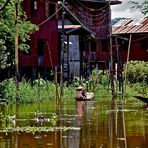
80 111
83 124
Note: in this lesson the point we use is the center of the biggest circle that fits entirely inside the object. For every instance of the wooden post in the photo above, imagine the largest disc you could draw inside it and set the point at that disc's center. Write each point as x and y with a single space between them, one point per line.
117 67
111 69
39 85
62 49
68 58
126 67
16 48
56 83
61 82
111 57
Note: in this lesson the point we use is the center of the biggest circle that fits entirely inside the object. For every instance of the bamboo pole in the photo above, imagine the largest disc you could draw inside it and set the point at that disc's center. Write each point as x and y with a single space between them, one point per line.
126 67
56 83
68 58
39 77
111 57
61 82
16 49
62 50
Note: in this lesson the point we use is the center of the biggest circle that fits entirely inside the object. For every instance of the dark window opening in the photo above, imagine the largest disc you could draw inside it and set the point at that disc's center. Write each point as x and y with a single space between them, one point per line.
40 47
113 41
125 45
52 10
93 50
144 44
104 45
93 45
33 7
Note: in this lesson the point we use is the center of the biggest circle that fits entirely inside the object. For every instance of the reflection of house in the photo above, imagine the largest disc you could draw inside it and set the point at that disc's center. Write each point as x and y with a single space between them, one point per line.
31 140
42 139
43 53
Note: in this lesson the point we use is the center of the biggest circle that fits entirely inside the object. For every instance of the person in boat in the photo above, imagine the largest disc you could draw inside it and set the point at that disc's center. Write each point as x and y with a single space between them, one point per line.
80 93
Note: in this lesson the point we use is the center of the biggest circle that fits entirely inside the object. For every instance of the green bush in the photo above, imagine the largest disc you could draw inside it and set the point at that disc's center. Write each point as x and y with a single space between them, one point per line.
137 72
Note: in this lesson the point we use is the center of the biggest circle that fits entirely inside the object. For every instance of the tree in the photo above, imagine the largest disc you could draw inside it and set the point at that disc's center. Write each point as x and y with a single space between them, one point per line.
143 7
8 31
3 4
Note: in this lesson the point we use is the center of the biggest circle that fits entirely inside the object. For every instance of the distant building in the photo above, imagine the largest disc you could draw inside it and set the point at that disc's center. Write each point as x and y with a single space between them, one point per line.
138 29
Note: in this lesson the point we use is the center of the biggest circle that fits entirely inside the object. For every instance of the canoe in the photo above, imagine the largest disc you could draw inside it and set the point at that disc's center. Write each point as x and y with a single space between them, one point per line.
143 99
88 96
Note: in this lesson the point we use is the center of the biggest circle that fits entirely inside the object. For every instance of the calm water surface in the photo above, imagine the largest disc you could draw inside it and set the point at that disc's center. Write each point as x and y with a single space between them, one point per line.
91 124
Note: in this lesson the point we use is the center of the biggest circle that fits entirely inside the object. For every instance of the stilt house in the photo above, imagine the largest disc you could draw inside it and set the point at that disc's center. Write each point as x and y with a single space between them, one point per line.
86 35
79 48
130 35
43 53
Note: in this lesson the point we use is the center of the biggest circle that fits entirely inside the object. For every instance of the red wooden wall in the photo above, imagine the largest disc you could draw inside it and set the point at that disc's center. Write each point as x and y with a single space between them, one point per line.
138 50
46 38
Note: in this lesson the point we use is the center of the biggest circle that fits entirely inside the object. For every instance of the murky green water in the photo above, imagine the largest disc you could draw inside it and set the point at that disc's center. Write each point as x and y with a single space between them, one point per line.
92 124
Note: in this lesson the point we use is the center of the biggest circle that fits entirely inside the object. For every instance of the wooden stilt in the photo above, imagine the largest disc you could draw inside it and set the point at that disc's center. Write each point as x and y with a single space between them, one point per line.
126 67
111 59
56 83
16 49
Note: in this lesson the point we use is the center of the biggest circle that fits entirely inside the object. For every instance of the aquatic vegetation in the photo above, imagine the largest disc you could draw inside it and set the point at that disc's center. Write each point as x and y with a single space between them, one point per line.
46 90
33 130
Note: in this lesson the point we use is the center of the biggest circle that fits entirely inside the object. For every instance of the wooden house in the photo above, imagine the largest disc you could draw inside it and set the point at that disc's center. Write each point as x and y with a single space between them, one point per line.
121 32
46 51
132 35
43 53
87 31
129 42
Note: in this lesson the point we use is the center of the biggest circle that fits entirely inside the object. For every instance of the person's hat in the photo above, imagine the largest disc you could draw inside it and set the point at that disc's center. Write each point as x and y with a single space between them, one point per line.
80 87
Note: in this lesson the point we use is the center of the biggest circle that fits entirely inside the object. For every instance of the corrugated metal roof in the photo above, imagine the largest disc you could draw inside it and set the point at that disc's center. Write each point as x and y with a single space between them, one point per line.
124 26
103 1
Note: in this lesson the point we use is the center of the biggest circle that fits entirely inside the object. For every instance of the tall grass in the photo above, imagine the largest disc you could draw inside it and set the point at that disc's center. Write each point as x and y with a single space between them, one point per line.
42 89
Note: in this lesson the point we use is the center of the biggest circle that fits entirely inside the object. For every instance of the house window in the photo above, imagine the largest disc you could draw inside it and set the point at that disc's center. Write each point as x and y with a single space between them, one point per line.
125 45
52 10
104 45
40 47
144 44
33 7
93 45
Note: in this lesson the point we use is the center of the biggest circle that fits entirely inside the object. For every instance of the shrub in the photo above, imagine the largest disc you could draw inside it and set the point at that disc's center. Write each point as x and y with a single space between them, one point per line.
137 72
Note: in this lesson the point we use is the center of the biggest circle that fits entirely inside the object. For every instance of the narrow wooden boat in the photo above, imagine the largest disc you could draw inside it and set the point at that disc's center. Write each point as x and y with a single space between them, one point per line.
88 96
4 101
143 99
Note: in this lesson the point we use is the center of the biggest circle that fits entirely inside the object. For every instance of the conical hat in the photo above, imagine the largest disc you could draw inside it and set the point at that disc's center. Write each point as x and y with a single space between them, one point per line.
80 87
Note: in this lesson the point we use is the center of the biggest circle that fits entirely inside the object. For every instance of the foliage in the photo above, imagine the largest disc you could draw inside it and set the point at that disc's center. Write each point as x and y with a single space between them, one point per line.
29 93
137 72
99 77
41 89
143 7
135 90
7 32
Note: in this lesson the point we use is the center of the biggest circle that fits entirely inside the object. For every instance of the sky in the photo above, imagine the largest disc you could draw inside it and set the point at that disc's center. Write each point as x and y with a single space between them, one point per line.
124 10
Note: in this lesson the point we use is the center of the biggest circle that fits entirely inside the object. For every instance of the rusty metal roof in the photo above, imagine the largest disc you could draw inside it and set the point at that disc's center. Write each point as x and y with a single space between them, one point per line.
103 1
126 26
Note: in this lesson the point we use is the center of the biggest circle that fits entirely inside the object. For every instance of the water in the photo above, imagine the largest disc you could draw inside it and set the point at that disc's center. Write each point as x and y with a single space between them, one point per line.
92 124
